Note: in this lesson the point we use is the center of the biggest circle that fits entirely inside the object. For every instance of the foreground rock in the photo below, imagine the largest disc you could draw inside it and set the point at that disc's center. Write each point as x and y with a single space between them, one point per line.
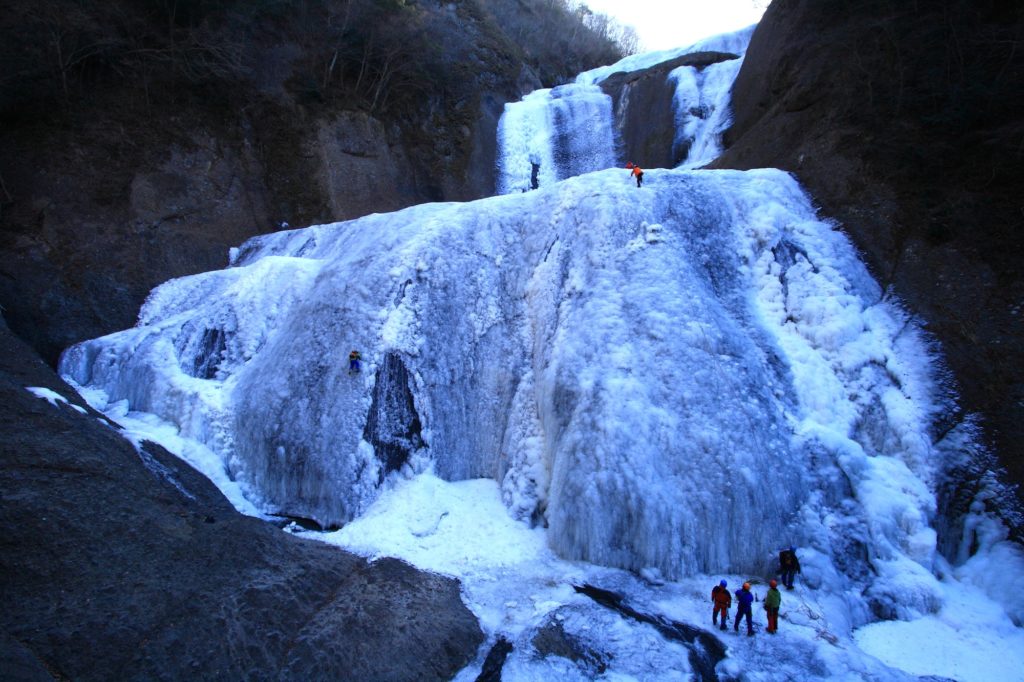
116 565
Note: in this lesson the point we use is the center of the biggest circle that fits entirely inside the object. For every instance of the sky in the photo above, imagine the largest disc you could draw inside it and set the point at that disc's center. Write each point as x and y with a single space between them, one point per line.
665 24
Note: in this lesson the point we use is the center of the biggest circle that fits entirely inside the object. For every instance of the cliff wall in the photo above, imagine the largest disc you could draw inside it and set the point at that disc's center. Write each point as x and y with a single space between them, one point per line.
903 121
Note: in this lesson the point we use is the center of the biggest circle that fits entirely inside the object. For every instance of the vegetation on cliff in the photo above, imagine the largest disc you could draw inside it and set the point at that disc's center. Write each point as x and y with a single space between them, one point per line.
376 54
140 140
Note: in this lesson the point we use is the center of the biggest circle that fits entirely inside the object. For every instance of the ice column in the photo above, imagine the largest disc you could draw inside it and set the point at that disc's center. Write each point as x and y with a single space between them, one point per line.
555 134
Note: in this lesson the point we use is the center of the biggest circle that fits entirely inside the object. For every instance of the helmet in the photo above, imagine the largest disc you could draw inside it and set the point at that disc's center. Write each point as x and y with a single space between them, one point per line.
746 586
724 584
772 583
792 549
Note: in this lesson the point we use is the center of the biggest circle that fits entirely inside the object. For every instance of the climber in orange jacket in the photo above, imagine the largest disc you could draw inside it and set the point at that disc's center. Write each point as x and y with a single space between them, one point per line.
636 172
722 600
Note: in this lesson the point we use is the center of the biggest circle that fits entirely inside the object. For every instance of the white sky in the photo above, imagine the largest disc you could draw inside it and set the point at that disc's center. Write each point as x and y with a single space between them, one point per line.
664 24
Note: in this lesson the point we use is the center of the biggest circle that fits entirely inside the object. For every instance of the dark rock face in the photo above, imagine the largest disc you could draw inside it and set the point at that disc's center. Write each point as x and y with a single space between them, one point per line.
392 424
552 640
903 121
118 173
117 564
644 112
85 236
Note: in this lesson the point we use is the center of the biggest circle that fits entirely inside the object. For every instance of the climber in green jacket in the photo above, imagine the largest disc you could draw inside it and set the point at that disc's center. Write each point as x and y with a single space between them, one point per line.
772 601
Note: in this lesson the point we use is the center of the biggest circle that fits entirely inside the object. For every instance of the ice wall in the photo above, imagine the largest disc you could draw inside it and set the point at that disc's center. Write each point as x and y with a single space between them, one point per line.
684 377
702 109
555 134
701 96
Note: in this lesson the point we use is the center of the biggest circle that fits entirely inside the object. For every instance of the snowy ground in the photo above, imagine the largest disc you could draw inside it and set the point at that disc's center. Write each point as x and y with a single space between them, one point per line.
514 583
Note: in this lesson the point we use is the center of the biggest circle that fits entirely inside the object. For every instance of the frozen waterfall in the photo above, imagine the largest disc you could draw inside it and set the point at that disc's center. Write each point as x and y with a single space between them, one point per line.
555 134
683 377
677 380
702 110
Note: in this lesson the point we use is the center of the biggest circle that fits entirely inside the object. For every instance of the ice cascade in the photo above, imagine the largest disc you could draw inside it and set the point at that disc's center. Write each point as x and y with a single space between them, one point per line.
702 106
554 134
683 377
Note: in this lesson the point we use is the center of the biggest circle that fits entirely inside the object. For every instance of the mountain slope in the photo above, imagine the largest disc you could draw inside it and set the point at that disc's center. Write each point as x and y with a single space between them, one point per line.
139 142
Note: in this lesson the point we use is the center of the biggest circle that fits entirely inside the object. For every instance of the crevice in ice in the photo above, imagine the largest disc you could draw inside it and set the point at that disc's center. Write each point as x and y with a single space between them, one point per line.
393 425
201 357
401 292
705 650
495 661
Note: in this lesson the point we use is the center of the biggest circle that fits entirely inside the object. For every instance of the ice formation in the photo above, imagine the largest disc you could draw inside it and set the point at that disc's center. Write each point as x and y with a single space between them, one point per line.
702 110
668 377
559 133
680 379
554 134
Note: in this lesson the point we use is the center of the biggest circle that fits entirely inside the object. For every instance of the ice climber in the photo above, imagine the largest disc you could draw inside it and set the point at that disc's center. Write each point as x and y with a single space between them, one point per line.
744 607
353 361
789 566
722 600
772 601
636 172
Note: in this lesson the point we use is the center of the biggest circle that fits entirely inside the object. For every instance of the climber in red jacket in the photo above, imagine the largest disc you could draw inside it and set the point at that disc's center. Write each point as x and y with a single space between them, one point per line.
722 600
636 172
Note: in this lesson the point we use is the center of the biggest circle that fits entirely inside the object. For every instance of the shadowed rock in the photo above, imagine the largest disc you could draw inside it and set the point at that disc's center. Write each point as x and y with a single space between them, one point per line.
553 640
118 564
491 672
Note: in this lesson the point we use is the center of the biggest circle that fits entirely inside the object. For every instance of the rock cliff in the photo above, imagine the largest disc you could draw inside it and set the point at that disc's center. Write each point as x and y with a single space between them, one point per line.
120 563
903 121
138 143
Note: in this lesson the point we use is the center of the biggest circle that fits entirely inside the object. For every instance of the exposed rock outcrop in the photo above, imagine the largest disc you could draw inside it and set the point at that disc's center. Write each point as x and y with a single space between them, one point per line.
139 143
118 564
644 113
103 211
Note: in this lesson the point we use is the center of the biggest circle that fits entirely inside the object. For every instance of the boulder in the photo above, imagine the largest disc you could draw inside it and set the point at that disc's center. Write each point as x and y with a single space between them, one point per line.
125 563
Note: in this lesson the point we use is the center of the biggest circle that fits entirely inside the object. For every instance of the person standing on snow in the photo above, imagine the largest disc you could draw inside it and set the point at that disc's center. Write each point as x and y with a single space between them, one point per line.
636 172
745 606
772 601
353 361
789 566
722 601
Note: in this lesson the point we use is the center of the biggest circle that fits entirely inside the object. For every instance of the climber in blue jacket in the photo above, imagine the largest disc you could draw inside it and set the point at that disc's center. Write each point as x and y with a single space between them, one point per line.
745 601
